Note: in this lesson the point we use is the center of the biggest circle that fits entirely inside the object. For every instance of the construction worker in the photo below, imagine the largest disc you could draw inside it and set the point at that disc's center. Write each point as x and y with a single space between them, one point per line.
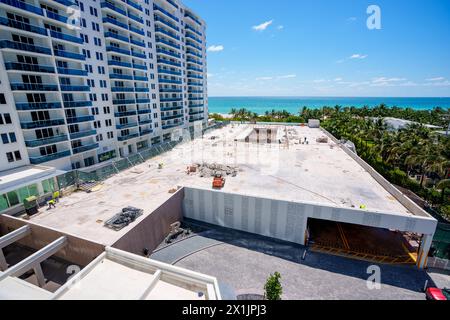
51 204
56 196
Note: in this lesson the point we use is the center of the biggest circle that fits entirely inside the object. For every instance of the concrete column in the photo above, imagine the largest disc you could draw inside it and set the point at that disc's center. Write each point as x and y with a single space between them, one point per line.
423 251
3 263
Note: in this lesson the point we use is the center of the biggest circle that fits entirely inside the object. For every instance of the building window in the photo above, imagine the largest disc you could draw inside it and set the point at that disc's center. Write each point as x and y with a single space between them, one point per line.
10 157
2 99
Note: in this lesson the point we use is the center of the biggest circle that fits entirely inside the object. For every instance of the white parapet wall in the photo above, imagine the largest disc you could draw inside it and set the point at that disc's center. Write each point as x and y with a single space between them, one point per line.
287 220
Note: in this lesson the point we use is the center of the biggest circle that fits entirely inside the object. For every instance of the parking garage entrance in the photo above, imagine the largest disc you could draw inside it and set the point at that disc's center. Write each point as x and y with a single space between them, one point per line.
362 242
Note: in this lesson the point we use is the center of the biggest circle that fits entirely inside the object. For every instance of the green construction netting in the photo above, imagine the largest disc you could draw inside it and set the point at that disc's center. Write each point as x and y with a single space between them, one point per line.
441 241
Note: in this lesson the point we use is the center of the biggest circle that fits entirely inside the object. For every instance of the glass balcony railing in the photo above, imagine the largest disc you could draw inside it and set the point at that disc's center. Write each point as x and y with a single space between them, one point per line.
21 86
173 125
25 106
189 15
138 43
57 17
45 141
166 23
85 148
196 84
138 54
50 157
119 64
170 90
115 22
146 121
122 89
136 30
73 72
171 63
145 132
146 100
120 76
82 134
24 6
77 104
135 18
173 3
194 61
118 50
113 7
125 114
123 101
133 4
194 54
188 27
170 99
167 43
167 33
193 45
80 119
71 88
176 116
139 78
193 113
196 119
194 38
139 66
116 36
171 108
67 3
195 98
22 26
165 12
128 137
194 76
136 89
169 53
68 54
144 111
42 124
169 81
29 67
8 44
126 125
196 105
191 68
165 71
67 37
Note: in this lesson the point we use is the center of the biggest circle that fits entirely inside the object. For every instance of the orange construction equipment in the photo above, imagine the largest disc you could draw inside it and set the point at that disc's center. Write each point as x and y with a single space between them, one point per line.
218 182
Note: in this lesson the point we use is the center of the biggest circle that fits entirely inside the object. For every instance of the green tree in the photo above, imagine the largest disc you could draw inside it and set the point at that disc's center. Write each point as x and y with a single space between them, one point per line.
273 287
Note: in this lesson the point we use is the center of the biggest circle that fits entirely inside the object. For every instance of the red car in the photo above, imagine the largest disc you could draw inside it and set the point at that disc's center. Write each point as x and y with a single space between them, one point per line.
437 294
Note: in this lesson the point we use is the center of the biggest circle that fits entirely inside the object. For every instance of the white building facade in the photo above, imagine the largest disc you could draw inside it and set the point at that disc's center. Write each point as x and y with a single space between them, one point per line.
83 82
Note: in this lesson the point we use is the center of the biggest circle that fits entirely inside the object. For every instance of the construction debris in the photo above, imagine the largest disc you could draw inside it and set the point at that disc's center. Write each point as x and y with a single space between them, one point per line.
322 139
88 186
215 169
124 218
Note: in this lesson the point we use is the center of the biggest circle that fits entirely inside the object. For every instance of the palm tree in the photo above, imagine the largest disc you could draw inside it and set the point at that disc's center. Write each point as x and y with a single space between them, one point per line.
443 185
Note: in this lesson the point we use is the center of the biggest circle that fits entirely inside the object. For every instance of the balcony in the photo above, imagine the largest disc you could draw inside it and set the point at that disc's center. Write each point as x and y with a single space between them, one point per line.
200 105
142 100
135 18
168 43
20 86
140 78
123 101
138 54
173 3
145 132
169 53
136 89
66 37
70 55
193 45
168 126
193 113
85 148
80 119
139 66
118 50
188 27
191 68
171 90
195 98
25 106
165 61
120 76
82 134
196 119
144 111
72 72
50 157
29 67
70 88
122 89
133 4
190 60
67 3
194 54
42 124
57 17
24 6
125 114
136 30
22 26
77 104
165 12
45 141
193 76
167 33
195 84
126 125
119 64
113 8
146 121
165 71
196 91
170 99
128 137
169 81
115 22
8 44
166 23
194 38
116 36
191 16
176 116
171 108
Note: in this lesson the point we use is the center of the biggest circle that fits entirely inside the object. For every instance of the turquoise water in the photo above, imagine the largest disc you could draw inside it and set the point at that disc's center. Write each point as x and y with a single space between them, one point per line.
293 105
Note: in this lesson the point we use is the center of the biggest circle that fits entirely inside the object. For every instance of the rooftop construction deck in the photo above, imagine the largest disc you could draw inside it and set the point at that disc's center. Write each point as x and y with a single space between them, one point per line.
296 168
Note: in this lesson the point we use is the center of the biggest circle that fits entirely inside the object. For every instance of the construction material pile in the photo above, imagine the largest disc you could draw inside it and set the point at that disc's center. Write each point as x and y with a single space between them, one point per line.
322 139
124 218
216 169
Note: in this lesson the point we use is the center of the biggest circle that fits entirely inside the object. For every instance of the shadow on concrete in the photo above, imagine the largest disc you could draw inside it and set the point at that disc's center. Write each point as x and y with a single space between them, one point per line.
402 276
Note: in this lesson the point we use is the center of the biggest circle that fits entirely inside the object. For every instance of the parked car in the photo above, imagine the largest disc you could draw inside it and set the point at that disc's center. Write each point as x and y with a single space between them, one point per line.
437 294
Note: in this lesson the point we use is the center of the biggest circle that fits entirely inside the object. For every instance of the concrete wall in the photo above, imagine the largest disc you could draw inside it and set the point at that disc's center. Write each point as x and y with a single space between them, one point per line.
78 251
286 220
152 230
438 263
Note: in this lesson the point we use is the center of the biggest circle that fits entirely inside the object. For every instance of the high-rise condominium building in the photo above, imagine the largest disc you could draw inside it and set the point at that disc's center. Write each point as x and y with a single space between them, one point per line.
83 82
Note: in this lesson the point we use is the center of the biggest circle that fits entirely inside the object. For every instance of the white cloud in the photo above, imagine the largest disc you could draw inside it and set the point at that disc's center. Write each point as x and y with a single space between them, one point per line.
288 76
351 19
280 27
436 79
262 26
264 78
338 79
358 56
210 75
216 48
387 80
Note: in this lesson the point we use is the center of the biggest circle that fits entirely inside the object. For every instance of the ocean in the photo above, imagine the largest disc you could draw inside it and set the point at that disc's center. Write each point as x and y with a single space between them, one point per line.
293 104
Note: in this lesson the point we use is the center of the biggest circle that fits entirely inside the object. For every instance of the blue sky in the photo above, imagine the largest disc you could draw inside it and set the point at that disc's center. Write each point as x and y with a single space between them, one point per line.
324 48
